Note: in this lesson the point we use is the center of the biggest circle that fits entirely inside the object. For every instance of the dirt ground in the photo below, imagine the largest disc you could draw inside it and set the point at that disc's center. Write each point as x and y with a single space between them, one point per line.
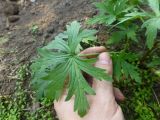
18 44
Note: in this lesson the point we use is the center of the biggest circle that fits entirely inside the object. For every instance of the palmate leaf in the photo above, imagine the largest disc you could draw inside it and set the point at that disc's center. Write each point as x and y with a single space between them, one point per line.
123 67
116 37
79 87
131 70
154 63
151 25
58 43
117 68
48 60
122 34
131 16
109 19
110 11
154 4
60 66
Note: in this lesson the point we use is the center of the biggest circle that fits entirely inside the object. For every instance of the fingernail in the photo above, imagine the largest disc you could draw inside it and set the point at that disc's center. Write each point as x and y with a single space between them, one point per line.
104 58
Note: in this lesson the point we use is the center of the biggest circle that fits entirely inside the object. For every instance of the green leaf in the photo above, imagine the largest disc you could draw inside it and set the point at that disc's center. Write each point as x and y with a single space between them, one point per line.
130 57
80 87
154 63
157 72
84 36
152 25
122 34
125 69
101 6
58 43
136 14
100 74
72 32
116 37
154 4
122 67
131 34
76 35
102 19
110 11
117 68
151 35
60 66
110 19
129 69
87 33
131 16
47 61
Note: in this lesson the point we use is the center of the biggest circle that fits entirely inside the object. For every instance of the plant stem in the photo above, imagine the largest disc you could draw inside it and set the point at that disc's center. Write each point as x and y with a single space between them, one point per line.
156 96
148 53
88 55
94 54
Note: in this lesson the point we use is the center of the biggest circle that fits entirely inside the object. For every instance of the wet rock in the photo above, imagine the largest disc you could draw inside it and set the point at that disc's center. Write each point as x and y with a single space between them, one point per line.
50 30
13 18
11 9
67 4
40 32
46 36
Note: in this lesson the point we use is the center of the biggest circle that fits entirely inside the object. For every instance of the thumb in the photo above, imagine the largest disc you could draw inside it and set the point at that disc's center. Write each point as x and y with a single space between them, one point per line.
104 62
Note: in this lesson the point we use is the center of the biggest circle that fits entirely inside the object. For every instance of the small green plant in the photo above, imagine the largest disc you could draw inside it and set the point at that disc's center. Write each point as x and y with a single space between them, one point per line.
141 102
126 22
123 16
60 65
133 28
20 105
11 107
34 29
3 39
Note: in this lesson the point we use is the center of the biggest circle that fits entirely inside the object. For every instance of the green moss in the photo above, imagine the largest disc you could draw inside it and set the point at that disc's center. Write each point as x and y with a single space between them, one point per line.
20 105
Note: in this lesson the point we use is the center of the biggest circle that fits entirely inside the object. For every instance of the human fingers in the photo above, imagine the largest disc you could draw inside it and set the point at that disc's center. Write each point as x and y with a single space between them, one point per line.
104 100
118 94
64 109
104 62
93 51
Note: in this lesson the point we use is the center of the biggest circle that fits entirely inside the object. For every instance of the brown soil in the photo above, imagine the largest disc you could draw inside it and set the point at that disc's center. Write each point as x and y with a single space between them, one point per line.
18 44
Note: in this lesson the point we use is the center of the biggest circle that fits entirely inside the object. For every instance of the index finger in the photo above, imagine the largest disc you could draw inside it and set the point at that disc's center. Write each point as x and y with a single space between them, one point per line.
93 50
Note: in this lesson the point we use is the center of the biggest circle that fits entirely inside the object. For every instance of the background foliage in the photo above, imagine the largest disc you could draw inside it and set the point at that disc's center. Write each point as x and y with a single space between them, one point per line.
133 30
22 105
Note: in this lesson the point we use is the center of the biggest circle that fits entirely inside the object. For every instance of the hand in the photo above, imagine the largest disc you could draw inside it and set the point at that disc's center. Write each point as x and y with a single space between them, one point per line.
103 105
